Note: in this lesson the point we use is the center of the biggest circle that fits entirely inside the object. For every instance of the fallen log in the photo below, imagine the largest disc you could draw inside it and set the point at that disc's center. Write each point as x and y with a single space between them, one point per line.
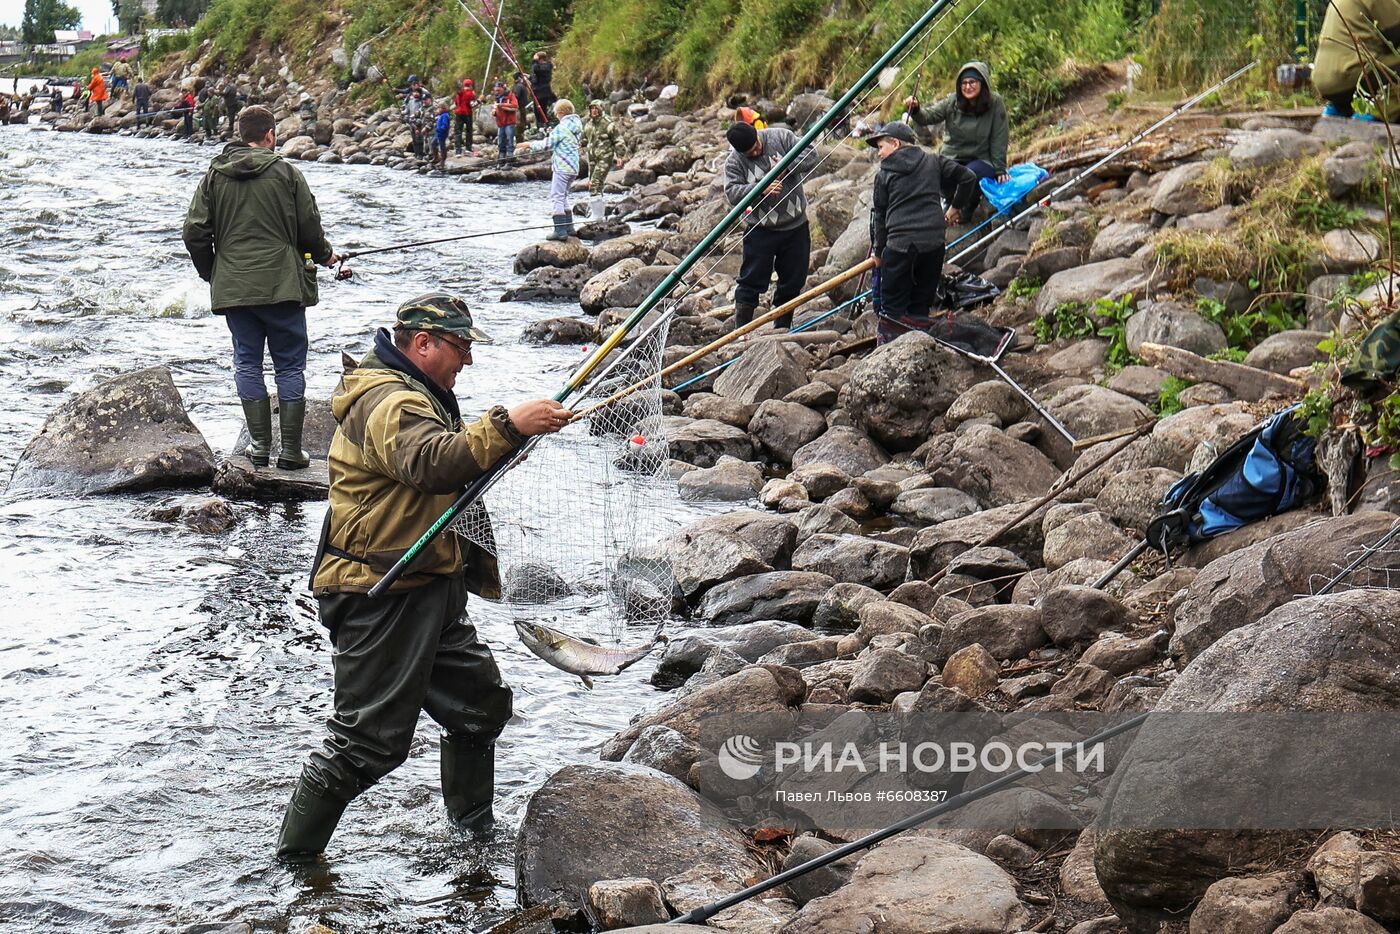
1246 383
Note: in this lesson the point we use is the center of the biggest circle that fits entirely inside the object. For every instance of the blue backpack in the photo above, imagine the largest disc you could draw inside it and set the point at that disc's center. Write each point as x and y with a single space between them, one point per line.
1271 470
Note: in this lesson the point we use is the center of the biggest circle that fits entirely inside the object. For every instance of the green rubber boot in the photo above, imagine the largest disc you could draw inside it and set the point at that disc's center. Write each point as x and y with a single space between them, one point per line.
310 820
258 414
292 416
563 227
468 782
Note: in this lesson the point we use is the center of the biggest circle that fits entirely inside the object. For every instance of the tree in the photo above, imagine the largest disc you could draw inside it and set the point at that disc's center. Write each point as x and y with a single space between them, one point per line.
130 14
42 17
181 12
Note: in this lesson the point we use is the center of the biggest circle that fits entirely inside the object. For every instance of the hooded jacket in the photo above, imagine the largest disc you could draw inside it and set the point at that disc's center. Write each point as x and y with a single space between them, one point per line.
603 140
566 140
250 223
1339 68
463 101
971 136
98 87
742 173
399 457
906 213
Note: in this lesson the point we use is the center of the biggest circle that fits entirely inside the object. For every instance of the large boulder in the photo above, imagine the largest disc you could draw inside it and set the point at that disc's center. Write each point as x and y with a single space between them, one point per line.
559 331
684 656
642 245
853 559
791 596
622 285
994 468
934 547
780 428
847 449
918 885
1264 148
1083 285
897 392
562 253
773 537
711 558
1328 654
126 434
729 479
1007 632
703 441
548 284
1119 240
1241 587
806 108
1286 351
590 823
1090 411
1180 192
766 370
1174 324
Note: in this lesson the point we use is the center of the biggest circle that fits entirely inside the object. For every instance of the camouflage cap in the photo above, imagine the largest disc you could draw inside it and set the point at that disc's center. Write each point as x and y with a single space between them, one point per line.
438 311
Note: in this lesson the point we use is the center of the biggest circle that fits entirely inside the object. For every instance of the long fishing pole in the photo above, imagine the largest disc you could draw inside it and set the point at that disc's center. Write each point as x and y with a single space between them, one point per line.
1139 137
508 55
515 59
806 325
408 246
673 278
705 912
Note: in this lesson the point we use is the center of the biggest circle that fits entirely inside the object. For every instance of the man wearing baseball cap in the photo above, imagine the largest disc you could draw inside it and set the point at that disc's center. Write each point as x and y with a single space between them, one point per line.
400 456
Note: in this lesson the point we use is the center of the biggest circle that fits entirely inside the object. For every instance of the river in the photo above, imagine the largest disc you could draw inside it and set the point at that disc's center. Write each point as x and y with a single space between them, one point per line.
159 688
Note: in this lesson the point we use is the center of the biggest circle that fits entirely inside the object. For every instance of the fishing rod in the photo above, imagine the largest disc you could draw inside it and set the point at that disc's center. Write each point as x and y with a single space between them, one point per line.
408 246
705 912
672 279
509 56
806 325
1139 137
515 59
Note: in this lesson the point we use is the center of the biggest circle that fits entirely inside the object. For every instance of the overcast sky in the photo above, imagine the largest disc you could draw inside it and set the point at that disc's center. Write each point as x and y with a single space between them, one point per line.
97 14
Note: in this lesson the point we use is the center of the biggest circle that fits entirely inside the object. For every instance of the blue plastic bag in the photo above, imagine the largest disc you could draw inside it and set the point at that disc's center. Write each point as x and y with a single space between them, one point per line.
1020 180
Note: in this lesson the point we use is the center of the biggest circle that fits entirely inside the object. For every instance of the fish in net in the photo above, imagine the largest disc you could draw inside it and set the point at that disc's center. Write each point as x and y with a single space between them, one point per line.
578 526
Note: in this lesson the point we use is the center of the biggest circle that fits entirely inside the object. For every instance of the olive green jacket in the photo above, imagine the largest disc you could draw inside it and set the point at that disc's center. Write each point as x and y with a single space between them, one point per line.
397 462
1374 25
971 136
250 223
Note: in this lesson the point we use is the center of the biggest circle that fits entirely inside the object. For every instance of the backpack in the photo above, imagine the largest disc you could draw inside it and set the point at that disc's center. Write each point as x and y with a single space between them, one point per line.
1271 470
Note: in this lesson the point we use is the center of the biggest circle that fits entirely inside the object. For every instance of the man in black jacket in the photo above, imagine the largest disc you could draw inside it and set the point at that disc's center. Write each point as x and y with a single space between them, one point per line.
907 220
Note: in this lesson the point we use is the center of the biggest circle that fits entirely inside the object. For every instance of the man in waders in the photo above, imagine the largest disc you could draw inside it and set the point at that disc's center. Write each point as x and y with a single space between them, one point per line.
253 232
776 235
400 456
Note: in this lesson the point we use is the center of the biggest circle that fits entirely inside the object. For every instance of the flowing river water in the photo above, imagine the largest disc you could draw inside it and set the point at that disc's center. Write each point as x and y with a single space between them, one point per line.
159 688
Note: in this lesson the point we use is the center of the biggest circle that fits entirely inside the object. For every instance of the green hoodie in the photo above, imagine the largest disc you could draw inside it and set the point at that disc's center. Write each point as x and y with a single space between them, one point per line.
971 136
250 223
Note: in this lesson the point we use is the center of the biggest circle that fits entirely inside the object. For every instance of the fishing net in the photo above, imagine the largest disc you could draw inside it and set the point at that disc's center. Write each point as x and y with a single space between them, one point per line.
1371 567
578 525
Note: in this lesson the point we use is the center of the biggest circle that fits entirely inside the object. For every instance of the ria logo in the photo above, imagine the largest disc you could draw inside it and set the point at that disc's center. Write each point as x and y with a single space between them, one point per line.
740 757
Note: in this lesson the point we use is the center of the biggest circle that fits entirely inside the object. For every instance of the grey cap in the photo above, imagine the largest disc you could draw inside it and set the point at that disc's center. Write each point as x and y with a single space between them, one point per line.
894 130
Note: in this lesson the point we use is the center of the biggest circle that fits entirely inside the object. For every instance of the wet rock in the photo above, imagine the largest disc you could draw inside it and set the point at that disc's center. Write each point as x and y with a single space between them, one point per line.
620 903
1083 285
933 505
1092 535
918 885
895 394
1329 921
127 434
817 882
1248 904
756 690
500 177
713 557
994 468
653 825
1174 324
534 582
683 657
548 284
1130 498
703 442
1286 351
766 370
623 284
784 496
562 253
1242 587
1181 192
602 231
208 514
840 607
780 428
847 449
1090 411
559 331
663 749
773 537
972 671
1078 614
822 519
853 559
791 596
728 479
1006 631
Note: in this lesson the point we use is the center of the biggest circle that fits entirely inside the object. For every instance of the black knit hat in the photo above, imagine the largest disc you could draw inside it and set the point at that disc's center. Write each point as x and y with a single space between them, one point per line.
741 136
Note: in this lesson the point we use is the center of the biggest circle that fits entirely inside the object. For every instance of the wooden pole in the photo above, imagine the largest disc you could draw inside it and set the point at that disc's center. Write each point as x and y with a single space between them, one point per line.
785 308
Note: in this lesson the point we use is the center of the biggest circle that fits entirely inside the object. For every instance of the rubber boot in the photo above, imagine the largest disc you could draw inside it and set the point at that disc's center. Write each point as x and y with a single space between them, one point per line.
468 782
743 314
567 219
597 210
311 818
562 228
292 415
258 414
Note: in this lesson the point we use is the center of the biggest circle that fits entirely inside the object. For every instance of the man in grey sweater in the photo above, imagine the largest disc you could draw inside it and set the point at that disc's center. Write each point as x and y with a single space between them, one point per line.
776 235
907 221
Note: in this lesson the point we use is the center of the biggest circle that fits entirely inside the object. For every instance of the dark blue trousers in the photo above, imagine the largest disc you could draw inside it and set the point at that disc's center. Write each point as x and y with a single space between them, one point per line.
280 330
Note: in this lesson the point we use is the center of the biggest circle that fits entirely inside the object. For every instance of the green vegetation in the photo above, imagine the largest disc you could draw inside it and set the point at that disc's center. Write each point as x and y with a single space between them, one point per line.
1243 330
1169 399
235 26
1024 288
42 17
1106 318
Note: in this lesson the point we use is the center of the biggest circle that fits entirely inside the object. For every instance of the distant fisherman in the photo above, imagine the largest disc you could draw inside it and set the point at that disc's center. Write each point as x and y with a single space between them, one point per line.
401 455
250 224
606 147
777 236
566 140
142 96
463 104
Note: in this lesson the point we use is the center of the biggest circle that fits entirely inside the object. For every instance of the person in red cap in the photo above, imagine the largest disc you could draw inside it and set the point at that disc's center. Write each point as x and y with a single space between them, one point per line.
463 105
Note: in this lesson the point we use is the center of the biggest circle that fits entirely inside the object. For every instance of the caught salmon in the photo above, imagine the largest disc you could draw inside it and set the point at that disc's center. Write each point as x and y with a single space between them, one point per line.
581 657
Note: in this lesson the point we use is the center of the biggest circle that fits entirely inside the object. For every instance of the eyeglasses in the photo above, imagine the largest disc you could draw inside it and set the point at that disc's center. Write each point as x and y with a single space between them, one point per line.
464 354
969 81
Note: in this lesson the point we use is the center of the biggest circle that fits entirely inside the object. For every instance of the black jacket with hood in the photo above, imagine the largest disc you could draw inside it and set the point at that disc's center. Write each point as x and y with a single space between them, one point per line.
907 212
